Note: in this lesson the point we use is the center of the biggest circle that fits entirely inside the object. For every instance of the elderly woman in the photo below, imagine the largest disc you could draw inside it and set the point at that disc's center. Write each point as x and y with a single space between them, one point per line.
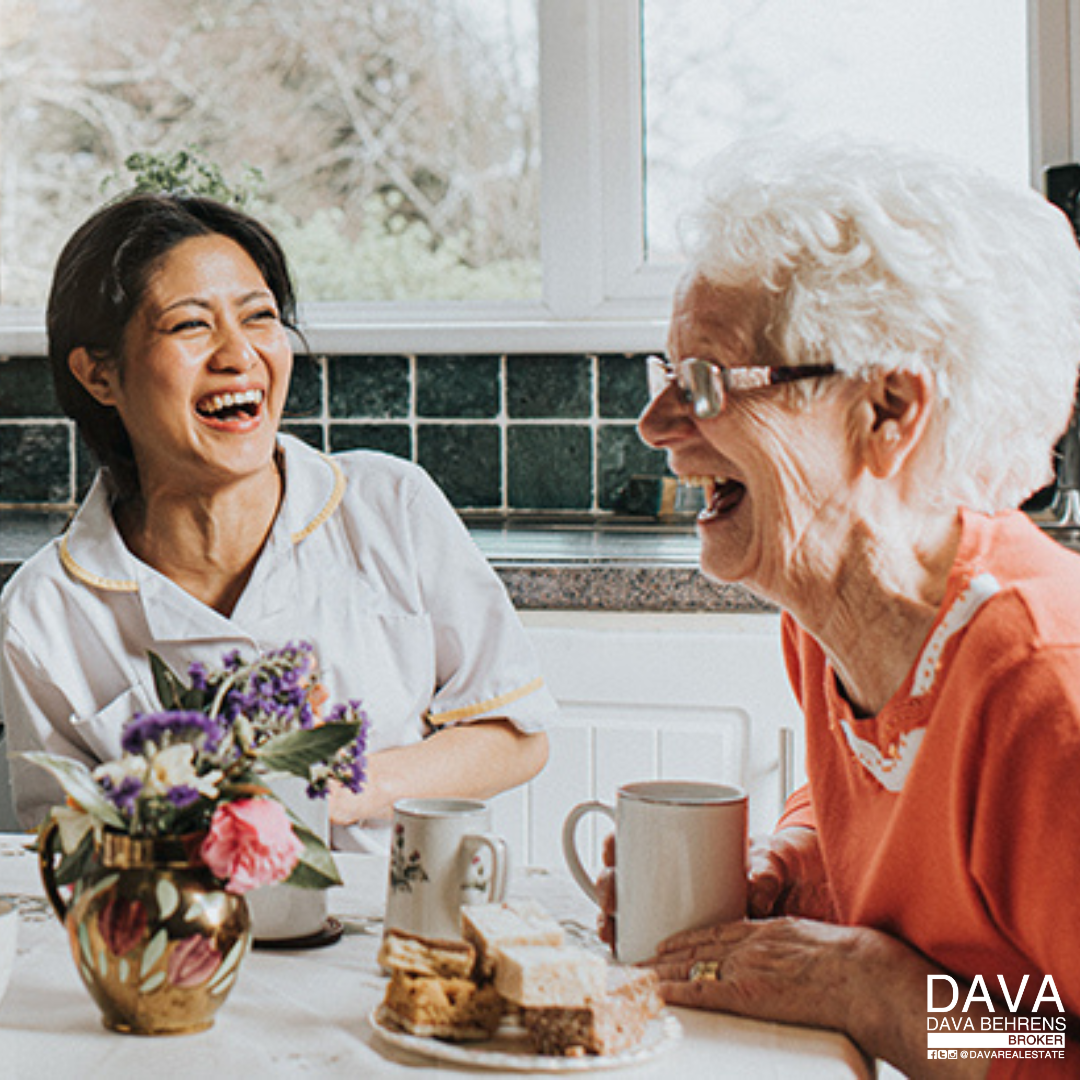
208 530
869 362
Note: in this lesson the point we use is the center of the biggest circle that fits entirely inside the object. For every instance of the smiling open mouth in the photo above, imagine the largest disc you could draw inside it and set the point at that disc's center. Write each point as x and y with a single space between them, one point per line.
721 495
244 405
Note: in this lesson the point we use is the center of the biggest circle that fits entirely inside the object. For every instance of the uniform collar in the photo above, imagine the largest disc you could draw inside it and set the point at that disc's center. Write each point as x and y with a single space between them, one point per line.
93 552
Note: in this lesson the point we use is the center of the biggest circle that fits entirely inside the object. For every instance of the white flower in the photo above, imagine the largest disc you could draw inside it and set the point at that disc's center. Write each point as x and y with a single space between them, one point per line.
73 824
117 771
175 767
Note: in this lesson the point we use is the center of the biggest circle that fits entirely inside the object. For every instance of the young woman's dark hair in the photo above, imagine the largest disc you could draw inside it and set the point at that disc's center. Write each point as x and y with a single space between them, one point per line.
100 281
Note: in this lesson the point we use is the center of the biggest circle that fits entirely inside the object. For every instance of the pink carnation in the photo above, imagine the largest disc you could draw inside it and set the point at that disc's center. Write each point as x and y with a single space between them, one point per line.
251 843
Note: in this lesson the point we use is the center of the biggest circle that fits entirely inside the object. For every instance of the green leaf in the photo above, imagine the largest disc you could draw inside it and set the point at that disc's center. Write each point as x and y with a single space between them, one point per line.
316 868
296 751
77 865
77 782
170 690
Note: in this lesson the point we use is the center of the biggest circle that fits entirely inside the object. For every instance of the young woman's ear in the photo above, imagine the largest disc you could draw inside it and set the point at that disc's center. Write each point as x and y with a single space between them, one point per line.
893 418
96 375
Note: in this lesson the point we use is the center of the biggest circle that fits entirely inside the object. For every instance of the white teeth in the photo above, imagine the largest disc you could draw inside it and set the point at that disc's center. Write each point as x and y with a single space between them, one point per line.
708 484
227 401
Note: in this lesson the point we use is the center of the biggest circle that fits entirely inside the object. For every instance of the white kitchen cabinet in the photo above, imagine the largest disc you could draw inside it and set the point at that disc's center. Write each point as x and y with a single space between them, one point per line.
655 696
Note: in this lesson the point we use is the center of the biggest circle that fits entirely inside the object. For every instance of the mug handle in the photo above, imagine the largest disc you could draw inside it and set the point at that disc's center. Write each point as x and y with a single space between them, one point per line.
500 863
46 854
569 845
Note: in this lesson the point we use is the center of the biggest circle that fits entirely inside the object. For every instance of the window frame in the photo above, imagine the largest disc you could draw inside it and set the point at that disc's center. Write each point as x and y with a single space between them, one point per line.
599 294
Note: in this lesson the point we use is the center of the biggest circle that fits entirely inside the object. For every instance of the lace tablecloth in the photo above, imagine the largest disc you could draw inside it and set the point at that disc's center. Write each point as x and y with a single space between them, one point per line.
305 1012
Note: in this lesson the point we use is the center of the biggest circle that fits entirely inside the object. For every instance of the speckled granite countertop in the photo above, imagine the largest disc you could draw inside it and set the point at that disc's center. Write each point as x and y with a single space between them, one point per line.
546 564
611 567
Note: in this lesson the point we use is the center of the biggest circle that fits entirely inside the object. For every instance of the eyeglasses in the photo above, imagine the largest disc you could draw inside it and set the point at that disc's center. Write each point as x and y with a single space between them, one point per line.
704 386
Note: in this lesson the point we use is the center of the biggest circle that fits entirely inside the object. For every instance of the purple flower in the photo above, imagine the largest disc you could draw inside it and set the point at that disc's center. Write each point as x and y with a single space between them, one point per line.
199 676
273 693
182 795
348 766
124 796
166 728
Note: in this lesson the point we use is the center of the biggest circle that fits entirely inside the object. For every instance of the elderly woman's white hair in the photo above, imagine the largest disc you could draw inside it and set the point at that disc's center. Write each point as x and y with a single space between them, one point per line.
880 258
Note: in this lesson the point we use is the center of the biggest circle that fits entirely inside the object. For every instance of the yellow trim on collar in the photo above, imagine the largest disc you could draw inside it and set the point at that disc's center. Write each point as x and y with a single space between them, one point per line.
331 504
96 581
442 719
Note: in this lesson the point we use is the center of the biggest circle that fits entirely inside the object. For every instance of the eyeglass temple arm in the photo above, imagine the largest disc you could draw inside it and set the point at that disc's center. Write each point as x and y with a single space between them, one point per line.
753 378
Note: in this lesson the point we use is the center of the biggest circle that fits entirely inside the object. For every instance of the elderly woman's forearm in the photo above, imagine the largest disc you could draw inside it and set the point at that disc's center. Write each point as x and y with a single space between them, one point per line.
888 1020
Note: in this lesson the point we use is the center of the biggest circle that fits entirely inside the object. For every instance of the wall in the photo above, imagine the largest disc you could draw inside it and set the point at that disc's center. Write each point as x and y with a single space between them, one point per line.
508 433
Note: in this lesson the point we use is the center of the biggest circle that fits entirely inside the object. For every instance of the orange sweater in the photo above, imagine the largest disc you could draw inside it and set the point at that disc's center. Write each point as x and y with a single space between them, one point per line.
952 819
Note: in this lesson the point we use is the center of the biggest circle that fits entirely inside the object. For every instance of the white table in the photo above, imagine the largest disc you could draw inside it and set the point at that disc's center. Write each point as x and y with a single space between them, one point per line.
305 1013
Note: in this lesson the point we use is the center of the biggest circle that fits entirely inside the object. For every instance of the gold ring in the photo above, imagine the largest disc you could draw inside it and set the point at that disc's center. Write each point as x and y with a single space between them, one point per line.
705 971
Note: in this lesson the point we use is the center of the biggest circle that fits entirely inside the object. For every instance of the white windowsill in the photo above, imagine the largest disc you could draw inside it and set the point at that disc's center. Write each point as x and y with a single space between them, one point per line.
22 334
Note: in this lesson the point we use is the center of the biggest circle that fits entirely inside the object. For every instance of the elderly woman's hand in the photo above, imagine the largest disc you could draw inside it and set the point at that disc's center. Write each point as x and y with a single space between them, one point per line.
801 971
787 877
795 970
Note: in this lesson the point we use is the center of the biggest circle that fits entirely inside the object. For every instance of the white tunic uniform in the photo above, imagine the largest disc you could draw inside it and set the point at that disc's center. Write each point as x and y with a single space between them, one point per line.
366 560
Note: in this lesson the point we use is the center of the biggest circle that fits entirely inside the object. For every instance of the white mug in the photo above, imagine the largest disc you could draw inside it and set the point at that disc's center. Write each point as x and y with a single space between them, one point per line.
680 860
443 855
285 912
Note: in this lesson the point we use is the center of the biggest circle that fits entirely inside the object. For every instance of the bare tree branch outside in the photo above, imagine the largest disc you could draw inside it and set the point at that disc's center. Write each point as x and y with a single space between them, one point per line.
398 140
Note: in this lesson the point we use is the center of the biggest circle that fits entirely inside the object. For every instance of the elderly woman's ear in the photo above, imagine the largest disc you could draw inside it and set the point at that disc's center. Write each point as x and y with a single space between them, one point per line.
891 418
96 374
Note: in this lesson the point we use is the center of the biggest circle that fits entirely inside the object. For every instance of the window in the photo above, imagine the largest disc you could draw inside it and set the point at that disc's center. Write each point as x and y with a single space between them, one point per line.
489 175
947 77
397 142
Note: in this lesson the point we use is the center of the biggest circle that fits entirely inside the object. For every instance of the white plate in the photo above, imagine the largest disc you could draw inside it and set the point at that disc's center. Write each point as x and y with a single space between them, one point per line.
508 1050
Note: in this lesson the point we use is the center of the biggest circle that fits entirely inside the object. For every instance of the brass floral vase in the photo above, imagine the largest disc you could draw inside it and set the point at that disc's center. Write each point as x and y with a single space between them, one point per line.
157 940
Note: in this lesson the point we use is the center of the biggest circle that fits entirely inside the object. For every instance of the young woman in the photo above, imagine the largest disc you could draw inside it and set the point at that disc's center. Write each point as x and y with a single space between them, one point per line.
208 530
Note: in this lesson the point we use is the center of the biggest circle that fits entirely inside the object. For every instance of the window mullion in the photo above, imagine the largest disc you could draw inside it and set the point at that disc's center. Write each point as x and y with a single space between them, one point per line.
1054 59
571 234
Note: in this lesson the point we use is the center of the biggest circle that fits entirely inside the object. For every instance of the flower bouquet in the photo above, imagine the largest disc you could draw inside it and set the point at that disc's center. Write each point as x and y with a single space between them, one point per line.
200 767
159 845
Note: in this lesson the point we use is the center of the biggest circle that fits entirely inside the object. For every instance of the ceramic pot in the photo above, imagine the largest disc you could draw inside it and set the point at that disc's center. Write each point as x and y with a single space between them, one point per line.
157 940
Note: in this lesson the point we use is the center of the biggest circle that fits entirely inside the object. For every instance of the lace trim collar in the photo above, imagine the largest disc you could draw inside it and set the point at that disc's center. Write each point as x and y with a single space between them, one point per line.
890 767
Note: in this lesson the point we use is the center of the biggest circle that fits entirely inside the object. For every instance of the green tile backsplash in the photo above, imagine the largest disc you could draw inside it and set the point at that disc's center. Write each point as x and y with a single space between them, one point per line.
35 463
26 389
503 433
555 387
550 467
369 386
457 387
465 460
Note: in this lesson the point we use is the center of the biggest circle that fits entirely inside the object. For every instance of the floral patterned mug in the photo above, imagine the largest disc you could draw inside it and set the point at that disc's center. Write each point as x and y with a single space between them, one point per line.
443 855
